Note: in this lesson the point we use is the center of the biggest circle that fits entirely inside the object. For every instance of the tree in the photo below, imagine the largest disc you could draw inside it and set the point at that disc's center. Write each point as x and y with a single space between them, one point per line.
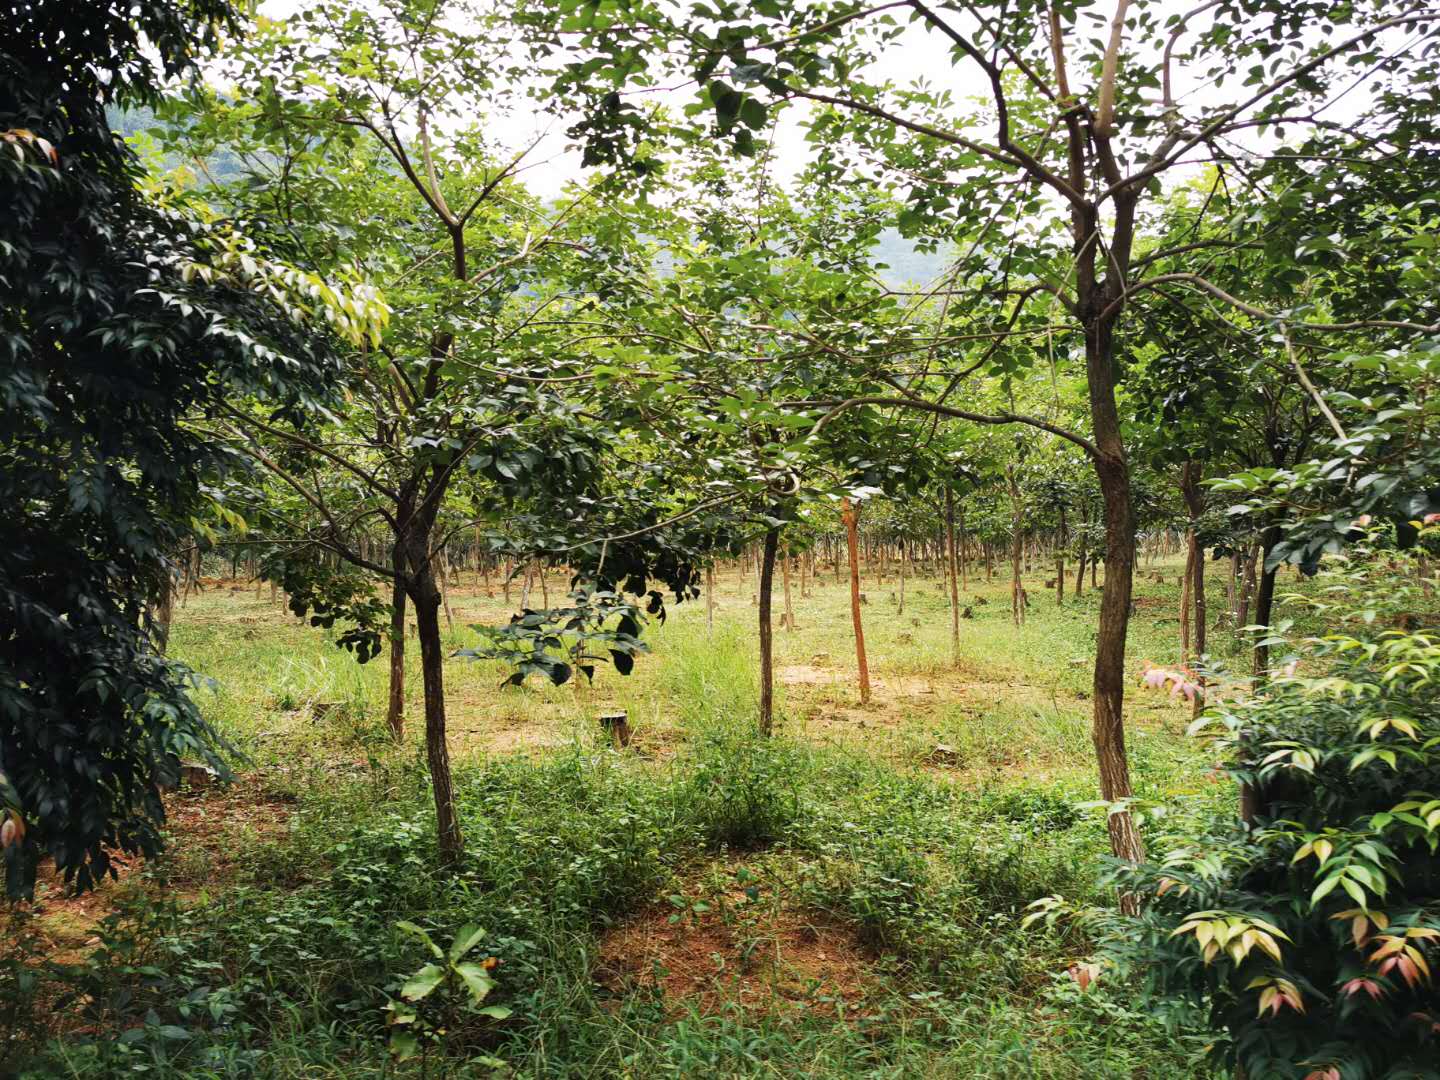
119 318
1051 224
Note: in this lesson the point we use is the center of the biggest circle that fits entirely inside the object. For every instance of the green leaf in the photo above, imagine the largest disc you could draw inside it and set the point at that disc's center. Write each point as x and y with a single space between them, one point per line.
466 938
415 931
476 980
422 982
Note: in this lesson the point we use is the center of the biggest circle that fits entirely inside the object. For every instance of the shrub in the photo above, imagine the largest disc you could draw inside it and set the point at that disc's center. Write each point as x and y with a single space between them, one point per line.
1309 932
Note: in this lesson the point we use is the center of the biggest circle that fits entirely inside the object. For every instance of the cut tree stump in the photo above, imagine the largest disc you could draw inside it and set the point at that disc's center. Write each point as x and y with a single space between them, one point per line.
618 725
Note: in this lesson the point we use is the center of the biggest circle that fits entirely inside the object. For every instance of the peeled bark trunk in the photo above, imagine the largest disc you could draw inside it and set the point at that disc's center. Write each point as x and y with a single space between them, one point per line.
767 643
426 597
954 585
395 710
847 514
443 561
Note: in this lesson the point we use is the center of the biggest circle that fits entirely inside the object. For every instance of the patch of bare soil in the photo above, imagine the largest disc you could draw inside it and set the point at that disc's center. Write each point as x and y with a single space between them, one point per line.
210 831
764 961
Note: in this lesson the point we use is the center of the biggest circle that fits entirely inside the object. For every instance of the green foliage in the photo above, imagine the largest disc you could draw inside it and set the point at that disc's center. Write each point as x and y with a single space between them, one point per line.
430 1000
1308 936
119 321
533 642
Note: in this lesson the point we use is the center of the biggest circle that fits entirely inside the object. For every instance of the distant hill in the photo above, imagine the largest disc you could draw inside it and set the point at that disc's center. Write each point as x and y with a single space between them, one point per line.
905 265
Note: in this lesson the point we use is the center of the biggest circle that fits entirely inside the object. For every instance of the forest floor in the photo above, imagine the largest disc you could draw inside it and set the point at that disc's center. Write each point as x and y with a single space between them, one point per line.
842 901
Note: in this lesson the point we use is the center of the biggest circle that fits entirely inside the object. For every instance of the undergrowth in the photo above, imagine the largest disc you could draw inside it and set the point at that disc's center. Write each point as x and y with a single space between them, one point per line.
290 974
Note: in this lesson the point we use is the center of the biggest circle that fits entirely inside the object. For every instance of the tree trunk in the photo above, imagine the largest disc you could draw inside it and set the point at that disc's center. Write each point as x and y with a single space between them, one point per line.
1185 581
1017 553
789 619
395 710
426 597
1190 475
1247 588
1232 597
1113 472
964 586
442 560
164 612
1060 561
709 598
903 556
848 516
1265 602
954 585
767 654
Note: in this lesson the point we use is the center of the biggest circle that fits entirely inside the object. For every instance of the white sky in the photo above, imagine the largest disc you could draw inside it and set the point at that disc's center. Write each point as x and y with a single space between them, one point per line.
917 54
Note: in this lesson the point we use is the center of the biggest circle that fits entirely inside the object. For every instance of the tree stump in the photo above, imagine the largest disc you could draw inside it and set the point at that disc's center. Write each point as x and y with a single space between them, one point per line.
618 726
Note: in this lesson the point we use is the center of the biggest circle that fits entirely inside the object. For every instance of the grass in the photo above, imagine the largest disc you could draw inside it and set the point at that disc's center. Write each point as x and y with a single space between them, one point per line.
843 900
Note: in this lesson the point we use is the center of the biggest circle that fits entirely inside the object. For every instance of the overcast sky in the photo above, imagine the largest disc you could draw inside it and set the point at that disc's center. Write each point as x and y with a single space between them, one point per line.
917 54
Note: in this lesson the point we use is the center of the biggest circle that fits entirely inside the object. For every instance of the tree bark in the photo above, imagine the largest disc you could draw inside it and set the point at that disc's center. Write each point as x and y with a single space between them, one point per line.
789 619
1190 476
848 516
1265 602
395 709
767 643
1060 561
1113 473
954 585
1017 553
904 555
426 597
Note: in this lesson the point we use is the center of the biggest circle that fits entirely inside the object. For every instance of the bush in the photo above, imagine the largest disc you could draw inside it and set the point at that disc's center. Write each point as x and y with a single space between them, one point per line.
1309 932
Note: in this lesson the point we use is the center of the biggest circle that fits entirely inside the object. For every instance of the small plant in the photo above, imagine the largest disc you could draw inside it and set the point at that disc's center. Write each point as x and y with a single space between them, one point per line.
433 1000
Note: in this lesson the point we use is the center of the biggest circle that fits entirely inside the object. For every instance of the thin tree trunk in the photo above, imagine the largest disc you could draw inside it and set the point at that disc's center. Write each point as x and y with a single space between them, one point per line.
1185 580
437 752
1080 577
1265 602
785 578
1247 588
395 708
904 555
1060 561
1017 544
1231 592
767 643
964 586
164 612
442 560
848 516
954 585
709 598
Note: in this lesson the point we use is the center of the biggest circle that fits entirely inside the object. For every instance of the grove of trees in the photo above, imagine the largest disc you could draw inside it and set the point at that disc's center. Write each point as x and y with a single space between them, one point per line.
327 319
